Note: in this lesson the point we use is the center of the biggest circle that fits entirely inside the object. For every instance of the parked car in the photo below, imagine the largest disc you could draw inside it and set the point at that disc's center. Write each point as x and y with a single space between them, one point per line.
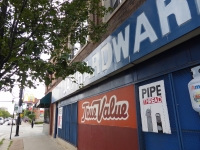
11 121
6 119
1 120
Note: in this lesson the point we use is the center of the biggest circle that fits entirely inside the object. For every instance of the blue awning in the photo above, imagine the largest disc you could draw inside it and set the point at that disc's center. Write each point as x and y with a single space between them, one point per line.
44 102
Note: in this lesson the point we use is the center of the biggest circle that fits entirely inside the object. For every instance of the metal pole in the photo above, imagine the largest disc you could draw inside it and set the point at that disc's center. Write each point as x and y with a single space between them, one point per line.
32 123
18 119
12 125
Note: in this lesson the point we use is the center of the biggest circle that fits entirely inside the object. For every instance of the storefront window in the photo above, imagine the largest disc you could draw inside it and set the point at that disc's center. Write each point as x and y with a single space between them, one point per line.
46 115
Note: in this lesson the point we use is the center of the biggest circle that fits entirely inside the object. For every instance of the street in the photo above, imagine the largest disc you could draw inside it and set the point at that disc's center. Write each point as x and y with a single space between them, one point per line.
27 138
24 130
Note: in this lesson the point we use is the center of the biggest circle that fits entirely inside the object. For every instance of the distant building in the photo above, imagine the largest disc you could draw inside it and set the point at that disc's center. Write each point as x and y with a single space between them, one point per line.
30 101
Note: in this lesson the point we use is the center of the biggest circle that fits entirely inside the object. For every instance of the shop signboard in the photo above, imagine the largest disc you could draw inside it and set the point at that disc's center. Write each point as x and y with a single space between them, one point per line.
60 111
153 107
16 108
28 98
19 109
155 27
114 108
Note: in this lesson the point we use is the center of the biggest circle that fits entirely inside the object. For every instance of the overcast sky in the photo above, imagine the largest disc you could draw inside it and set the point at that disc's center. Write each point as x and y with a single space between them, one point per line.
7 96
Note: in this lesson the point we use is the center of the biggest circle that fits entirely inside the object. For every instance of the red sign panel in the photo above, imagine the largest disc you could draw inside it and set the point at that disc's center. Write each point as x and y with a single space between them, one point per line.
115 108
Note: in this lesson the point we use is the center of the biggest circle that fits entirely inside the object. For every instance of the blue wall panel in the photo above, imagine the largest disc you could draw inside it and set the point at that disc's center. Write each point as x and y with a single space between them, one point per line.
194 48
191 140
176 57
155 141
118 80
69 124
184 121
73 133
189 119
73 124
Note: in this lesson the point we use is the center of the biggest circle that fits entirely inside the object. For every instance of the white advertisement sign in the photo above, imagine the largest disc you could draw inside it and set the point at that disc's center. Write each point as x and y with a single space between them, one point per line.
194 88
20 109
16 108
153 107
60 110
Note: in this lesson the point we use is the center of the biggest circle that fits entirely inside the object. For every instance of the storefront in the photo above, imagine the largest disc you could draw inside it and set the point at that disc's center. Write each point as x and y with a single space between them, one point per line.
45 103
138 96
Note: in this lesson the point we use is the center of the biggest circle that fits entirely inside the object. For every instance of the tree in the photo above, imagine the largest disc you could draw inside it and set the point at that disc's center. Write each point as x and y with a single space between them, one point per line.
29 28
29 114
26 113
4 114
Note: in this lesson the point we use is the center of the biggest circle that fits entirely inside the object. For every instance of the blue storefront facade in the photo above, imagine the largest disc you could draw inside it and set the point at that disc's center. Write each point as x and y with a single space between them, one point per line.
159 42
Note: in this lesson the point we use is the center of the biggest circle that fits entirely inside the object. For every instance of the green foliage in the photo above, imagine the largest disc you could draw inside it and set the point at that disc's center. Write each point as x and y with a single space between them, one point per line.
4 114
32 116
29 114
26 112
29 28
1 142
9 145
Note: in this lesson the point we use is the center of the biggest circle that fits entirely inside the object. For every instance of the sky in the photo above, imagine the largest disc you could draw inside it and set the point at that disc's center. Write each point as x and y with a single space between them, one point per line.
6 97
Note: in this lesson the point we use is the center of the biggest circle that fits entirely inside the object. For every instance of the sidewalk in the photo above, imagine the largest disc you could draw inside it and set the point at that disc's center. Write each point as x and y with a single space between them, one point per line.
30 141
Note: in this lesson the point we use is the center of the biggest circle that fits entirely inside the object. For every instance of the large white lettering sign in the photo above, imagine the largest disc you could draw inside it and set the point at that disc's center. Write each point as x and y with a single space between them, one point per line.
179 8
154 24
153 107
198 5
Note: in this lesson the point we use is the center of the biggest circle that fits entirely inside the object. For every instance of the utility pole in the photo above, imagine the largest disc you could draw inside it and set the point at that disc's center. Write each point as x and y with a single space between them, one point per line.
12 121
18 118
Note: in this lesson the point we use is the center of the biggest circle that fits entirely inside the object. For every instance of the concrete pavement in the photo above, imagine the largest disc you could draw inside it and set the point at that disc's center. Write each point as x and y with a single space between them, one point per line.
30 140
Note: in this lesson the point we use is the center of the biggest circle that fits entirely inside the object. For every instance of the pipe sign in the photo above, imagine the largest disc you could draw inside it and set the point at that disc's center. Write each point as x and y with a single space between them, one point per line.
153 107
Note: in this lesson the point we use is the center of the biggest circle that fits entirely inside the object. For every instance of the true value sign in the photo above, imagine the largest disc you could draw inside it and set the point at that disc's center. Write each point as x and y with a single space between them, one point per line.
155 24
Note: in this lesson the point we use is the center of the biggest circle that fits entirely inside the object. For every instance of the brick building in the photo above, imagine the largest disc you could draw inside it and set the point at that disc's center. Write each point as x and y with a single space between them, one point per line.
138 96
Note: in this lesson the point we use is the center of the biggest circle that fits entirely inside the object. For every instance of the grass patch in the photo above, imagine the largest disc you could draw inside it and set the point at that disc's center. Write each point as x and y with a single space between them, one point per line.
1 142
9 145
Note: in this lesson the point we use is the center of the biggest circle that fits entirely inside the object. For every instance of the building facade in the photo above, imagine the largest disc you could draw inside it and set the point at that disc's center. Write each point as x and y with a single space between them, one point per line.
138 96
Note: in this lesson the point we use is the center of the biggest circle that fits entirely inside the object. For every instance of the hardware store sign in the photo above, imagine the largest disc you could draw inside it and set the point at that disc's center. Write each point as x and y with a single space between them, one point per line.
155 24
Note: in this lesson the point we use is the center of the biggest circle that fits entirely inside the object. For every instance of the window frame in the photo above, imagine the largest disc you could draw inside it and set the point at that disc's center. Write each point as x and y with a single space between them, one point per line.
110 15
